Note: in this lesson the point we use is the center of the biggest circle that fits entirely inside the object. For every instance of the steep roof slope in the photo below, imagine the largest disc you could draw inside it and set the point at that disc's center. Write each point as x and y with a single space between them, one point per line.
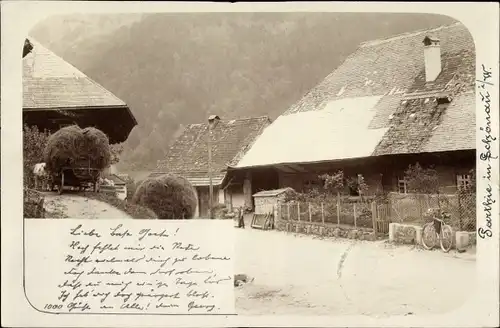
409 116
49 82
188 155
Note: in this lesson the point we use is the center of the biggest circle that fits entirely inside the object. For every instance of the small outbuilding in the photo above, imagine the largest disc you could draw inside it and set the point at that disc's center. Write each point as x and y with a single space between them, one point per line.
267 201
120 186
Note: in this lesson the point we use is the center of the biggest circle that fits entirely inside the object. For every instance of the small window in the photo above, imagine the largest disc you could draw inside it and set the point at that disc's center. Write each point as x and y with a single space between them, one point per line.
402 185
464 181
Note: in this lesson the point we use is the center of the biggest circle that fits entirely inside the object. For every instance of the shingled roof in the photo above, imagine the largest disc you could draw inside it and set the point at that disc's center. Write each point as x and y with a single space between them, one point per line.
50 82
410 116
188 154
54 91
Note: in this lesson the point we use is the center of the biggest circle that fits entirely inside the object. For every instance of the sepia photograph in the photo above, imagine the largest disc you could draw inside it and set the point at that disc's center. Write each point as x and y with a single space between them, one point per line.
341 146
251 164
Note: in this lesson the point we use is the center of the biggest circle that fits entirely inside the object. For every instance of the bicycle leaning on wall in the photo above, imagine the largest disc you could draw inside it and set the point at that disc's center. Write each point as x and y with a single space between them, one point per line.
437 231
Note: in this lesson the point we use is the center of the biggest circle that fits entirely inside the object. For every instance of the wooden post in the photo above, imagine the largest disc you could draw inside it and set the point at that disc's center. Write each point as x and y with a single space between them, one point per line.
374 216
298 211
322 214
288 211
338 209
355 215
247 190
210 187
310 218
460 212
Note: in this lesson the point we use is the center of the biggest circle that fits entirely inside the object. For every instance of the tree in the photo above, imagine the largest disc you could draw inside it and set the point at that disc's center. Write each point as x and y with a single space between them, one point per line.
333 184
421 180
116 151
357 184
34 143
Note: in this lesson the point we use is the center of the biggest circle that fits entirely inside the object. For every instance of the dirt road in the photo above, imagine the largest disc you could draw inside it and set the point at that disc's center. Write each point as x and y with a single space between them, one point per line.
79 207
301 275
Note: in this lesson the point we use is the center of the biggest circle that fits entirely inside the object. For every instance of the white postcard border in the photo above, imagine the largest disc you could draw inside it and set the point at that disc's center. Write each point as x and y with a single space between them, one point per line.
19 16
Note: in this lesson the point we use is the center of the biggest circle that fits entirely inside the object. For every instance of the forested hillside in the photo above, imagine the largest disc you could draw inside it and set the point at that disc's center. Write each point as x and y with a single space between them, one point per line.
175 69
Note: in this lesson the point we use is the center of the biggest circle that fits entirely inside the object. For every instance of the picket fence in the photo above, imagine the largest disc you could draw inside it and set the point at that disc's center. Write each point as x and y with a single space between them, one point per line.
353 214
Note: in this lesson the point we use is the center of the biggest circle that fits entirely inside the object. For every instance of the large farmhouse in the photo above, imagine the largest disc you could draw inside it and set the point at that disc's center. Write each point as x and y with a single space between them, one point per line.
392 103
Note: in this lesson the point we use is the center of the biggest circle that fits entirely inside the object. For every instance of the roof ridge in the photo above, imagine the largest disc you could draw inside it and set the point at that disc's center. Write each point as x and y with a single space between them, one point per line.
246 118
232 119
406 35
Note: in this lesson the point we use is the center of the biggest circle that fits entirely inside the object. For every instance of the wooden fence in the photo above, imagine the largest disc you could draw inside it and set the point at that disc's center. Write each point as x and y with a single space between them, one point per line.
354 214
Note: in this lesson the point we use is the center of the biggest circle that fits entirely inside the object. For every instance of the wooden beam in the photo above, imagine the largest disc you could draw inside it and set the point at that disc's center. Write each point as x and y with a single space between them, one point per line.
296 167
285 168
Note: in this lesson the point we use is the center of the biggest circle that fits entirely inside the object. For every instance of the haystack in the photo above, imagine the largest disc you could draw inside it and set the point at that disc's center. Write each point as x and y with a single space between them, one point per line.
72 144
170 197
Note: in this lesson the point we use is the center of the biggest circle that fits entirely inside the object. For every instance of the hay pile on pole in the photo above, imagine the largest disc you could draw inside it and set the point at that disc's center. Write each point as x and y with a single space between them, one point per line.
71 145
170 197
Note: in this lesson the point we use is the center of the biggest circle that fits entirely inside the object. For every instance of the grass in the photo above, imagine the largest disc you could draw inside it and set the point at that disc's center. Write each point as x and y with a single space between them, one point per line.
134 210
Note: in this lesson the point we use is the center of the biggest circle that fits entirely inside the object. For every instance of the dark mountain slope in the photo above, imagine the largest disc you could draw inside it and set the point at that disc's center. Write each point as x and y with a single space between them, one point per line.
177 69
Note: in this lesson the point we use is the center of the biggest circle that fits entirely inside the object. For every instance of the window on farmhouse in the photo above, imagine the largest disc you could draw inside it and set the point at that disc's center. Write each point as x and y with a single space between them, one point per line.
464 181
402 185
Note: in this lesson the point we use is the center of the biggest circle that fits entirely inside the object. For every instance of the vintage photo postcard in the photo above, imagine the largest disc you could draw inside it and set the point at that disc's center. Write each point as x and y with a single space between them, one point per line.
325 164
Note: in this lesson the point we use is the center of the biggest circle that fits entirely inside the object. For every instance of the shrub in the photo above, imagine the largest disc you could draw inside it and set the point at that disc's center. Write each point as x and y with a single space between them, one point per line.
357 185
220 211
34 143
333 183
116 151
33 204
131 188
170 197
421 180
313 196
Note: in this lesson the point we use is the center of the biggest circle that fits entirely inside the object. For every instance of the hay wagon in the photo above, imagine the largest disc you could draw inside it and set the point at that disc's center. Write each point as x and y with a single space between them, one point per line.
80 175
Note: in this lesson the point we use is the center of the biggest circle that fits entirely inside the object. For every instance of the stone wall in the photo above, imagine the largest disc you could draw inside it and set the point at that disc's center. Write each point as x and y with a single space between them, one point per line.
465 239
405 234
412 235
327 230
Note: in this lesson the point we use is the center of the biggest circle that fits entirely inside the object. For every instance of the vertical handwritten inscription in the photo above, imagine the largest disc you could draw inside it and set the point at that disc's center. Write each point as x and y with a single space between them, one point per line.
486 154
183 267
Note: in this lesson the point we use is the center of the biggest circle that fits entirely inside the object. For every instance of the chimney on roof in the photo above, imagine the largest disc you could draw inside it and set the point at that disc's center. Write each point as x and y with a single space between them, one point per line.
432 58
213 120
213 117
